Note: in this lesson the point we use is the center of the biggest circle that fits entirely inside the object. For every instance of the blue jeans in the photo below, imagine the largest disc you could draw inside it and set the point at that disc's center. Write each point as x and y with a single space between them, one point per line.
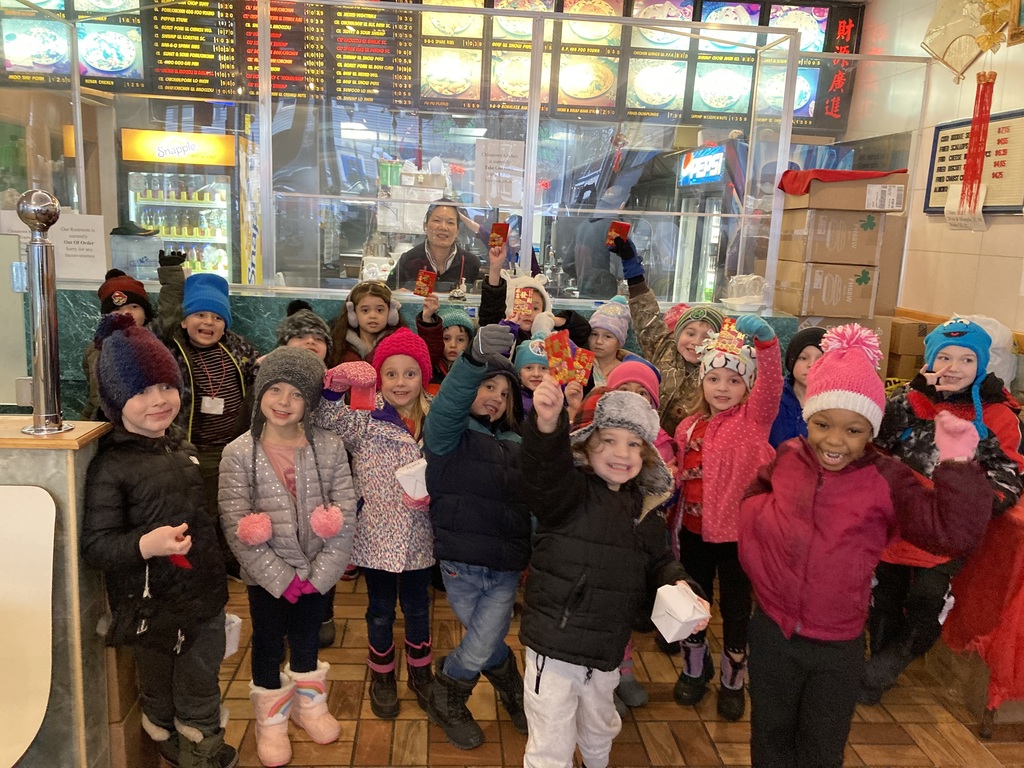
482 599
384 589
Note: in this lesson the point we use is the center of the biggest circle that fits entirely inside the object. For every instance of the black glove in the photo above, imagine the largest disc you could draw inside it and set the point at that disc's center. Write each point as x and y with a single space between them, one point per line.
632 266
171 258
491 340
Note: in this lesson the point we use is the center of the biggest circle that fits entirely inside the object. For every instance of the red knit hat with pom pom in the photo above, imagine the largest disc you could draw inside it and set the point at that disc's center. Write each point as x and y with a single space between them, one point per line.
403 342
846 376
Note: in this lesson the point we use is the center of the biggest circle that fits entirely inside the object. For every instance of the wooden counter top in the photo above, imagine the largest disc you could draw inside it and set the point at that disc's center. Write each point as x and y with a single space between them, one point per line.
84 433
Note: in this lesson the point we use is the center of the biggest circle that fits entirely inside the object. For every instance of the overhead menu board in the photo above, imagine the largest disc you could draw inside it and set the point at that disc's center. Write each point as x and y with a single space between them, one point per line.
446 57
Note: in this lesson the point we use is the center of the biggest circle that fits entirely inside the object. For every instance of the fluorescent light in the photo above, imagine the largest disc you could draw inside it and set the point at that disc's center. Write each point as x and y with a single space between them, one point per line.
475 132
353 126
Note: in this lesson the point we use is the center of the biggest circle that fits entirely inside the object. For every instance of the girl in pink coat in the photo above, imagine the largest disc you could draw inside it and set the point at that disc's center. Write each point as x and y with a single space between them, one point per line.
721 445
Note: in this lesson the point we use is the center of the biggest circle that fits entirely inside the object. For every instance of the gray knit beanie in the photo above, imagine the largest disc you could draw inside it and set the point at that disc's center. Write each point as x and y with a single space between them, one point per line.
296 366
301 321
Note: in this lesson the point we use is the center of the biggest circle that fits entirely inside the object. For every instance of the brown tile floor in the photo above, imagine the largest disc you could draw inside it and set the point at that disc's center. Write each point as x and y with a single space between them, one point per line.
918 723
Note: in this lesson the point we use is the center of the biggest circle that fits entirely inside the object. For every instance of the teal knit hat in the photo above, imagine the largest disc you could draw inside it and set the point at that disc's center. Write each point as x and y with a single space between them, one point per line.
450 316
530 353
957 332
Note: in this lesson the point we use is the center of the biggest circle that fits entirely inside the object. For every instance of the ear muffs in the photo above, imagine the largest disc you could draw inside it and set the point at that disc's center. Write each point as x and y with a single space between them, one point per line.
353 321
393 316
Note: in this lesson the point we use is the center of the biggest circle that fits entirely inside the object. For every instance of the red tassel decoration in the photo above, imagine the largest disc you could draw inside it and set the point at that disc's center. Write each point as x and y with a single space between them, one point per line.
974 161
618 141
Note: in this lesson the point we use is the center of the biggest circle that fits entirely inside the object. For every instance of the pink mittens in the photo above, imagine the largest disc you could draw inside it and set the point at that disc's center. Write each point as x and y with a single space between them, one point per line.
343 377
955 438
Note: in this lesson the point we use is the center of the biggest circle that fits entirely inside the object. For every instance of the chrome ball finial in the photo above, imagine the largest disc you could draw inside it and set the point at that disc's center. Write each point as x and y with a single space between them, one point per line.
38 209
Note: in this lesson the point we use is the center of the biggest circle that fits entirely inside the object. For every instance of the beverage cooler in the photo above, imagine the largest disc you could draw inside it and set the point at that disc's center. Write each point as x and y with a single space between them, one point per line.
182 185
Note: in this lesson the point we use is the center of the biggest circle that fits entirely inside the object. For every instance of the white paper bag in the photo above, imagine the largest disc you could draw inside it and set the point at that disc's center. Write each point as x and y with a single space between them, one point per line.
413 478
677 612
232 634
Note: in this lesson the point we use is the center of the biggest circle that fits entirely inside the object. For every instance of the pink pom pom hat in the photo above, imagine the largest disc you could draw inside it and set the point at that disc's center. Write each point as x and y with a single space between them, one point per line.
846 375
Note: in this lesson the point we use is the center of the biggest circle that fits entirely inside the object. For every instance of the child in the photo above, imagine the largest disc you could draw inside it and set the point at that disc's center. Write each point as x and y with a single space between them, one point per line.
497 298
531 363
288 509
674 353
596 558
642 378
804 348
448 330
609 326
912 594
146 527
720 448
394 544
481 533
813 526
370 315
302 327
218 368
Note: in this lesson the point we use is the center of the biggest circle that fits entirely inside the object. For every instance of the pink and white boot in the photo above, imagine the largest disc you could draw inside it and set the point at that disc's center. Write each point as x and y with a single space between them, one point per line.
310 704
272 706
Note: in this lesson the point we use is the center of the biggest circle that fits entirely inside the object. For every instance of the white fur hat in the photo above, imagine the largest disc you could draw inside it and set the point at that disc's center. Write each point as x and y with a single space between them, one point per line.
524 281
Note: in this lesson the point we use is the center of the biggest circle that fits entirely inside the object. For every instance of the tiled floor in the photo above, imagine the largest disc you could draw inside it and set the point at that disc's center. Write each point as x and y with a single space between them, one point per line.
917 724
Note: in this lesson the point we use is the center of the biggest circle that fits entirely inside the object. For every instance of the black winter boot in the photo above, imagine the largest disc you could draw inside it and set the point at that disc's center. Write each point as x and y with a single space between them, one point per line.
509 684
383 687
884 667
446 708
417 667
208 752
690 689
731 700
327 633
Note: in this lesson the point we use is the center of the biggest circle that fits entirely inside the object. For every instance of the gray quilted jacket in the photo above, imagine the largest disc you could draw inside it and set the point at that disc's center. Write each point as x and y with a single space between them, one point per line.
293 548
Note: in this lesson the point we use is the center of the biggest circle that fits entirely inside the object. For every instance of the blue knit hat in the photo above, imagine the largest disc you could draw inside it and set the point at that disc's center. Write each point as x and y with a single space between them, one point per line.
957 332
456 316
206 292
530 353
131 359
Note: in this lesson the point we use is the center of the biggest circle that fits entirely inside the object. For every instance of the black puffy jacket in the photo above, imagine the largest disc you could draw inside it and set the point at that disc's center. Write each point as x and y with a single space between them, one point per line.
596 561
134 485
473 475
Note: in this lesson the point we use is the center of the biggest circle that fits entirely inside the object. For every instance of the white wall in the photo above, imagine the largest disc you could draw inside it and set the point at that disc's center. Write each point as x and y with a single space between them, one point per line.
947 271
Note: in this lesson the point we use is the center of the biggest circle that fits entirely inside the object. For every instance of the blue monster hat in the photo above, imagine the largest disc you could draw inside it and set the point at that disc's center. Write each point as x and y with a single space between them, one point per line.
957 332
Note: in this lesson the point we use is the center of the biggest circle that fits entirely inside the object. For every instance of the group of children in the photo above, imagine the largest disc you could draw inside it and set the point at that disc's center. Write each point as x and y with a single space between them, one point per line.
679 467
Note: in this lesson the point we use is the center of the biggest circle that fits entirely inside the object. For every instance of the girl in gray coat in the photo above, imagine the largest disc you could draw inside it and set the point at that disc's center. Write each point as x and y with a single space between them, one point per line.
287 506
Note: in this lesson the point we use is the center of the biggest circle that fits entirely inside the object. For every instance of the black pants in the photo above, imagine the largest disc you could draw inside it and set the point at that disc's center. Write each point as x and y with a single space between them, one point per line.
184 687
701 560
272 619
906 604
209 468
802 696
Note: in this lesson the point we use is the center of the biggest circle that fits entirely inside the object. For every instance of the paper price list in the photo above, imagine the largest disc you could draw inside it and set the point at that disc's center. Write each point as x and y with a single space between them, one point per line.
296 48
373 58
194 48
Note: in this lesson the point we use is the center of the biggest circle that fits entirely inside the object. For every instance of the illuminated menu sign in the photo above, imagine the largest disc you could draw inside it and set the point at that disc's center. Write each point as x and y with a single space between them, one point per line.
656 81
297 60
193 48
451 56
371 54
510 56
589 57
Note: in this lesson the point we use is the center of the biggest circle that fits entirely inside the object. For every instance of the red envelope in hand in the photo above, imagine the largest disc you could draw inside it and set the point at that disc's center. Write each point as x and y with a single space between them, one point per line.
617 229
560 356
583 363
362 398
522 302
499 234
425 280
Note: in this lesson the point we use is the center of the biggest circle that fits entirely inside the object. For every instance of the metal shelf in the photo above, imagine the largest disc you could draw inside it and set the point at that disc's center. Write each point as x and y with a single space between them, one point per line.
180 203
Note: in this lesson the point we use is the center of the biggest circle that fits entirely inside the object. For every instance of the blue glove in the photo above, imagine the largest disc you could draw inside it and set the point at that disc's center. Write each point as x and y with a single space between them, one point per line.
752 325
632 266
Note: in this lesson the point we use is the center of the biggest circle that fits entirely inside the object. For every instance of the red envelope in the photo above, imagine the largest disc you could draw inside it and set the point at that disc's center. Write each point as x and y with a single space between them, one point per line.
522 302
499 234
560 356
362 398
583 363
425 280
617 229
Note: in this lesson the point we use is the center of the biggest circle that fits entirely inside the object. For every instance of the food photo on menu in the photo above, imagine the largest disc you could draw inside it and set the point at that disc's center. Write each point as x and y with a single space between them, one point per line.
510 77
36 45
809 20
446 73
448 25
593 32
106 6
658 10
106 50
48 5
722 87
772 89
514 28
741 14
587 81
654 84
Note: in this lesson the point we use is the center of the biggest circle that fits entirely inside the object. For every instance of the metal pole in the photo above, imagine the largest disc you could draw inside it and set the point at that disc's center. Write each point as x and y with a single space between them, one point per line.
40 211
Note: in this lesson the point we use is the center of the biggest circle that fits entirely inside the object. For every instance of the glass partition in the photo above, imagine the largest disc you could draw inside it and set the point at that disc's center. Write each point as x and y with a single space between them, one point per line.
299 144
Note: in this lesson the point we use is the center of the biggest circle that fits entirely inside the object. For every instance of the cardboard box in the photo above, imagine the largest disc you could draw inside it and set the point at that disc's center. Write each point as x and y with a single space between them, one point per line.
760 267
885 193
832 237
829 290
890 264
423 179
908 336
880 324
904 366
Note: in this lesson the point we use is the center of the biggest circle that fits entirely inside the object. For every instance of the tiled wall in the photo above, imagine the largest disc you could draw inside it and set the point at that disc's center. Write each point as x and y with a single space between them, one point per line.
947 271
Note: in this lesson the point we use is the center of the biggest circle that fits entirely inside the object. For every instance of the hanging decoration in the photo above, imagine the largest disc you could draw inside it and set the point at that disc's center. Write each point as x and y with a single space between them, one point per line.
618 141
960 32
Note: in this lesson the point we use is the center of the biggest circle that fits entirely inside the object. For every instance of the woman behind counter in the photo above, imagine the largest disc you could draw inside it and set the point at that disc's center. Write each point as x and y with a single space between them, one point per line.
439 253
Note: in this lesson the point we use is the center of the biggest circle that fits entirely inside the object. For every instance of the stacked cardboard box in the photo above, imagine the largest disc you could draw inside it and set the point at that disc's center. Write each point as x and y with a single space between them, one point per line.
906 347
882 325
832 247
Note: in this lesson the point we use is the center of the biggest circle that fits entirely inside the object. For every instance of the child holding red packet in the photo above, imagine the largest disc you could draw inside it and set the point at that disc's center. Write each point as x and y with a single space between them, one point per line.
447 330
394 544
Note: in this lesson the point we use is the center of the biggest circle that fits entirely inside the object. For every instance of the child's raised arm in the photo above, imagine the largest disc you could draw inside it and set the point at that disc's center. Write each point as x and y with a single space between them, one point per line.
337 417
763 405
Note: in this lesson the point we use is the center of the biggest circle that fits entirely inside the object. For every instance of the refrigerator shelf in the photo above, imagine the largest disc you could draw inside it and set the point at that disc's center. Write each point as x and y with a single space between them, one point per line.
181 203
194 239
